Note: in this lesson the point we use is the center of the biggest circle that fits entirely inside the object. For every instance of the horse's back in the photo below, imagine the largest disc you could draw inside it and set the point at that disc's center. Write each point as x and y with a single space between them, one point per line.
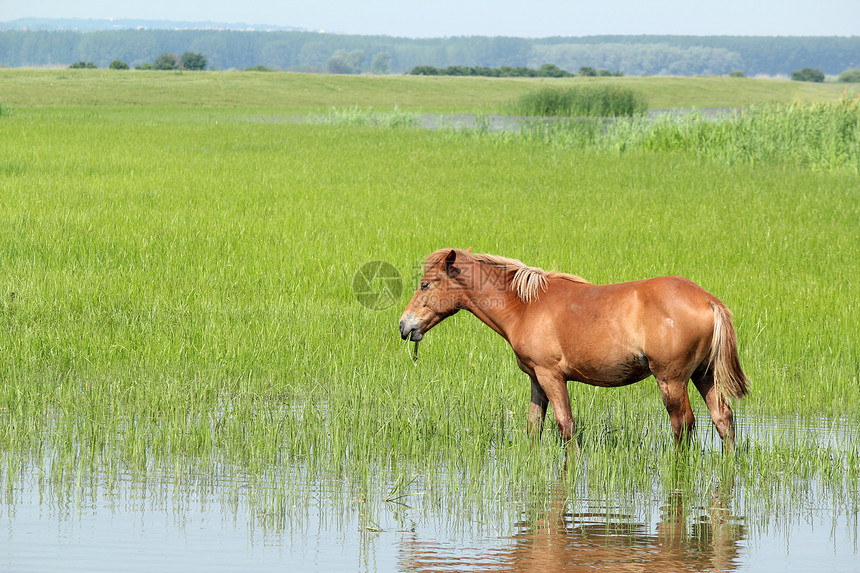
613 334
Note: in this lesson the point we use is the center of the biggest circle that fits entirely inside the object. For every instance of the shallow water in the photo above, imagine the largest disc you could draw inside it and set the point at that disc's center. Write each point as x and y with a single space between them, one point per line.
495 122
173 519
106 532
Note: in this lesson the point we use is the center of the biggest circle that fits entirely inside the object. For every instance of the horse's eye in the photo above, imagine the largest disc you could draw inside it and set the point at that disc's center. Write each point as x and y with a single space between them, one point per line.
424 285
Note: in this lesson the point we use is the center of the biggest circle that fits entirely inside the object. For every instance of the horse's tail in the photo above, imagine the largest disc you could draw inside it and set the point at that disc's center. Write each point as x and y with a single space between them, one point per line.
729 379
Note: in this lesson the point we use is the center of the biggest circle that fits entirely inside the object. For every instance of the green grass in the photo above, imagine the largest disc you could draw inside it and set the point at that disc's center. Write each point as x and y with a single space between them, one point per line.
177 286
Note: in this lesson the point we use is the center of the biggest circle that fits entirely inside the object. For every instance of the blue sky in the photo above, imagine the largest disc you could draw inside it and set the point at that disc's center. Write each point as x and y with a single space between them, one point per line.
525 18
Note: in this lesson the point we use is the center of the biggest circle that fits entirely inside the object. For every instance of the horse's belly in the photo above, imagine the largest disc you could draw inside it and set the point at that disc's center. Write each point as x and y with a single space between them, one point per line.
618 372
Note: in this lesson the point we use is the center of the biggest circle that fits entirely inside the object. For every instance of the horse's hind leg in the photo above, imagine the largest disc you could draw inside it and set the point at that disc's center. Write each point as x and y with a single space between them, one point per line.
537 409
721 413
674 394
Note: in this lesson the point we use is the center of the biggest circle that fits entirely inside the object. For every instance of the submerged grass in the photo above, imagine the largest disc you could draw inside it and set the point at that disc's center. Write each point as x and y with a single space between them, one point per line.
180 288
368 117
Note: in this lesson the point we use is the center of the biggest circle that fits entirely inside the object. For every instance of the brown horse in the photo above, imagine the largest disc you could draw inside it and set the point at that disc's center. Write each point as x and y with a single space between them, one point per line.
561 327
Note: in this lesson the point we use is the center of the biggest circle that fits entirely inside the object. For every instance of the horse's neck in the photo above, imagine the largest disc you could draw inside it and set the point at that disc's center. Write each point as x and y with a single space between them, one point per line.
497 306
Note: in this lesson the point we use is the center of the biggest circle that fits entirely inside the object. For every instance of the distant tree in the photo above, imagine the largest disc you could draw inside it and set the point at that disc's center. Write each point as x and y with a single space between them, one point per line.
314 55
737 74
850 76
338 63
381 63
808 75
346 62
587 71
258 69
193 62
118 65
83 66
166 61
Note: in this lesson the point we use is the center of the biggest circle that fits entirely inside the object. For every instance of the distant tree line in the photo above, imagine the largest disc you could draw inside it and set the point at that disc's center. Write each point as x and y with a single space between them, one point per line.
188 61
545 71
315 52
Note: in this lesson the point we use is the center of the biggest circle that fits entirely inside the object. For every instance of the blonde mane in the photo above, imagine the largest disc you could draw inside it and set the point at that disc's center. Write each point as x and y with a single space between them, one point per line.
527 282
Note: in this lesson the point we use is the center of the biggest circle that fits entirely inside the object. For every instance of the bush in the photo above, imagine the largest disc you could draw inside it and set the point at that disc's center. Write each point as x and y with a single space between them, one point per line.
850 76
166 62
737 74
588 71
83 66
553 71
193 62
589 101
118 65
258 69
808 75
424 71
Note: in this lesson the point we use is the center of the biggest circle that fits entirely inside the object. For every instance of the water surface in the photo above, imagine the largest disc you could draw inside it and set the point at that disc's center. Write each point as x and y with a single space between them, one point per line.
177 518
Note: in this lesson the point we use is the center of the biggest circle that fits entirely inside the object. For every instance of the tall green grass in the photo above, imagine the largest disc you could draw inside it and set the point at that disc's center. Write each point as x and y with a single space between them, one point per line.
822 136
582 101
818 135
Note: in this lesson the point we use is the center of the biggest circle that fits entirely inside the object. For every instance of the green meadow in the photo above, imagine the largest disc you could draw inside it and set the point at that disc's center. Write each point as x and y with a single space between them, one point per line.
301 92
177 259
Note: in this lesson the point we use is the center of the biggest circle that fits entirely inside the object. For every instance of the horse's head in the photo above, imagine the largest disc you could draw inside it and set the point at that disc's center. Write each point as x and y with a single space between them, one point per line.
440 295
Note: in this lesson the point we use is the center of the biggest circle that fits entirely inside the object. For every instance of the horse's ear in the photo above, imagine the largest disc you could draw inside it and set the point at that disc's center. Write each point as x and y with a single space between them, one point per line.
450 269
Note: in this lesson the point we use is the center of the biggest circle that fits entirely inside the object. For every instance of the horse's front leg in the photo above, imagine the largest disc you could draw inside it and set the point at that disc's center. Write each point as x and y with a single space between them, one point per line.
537 410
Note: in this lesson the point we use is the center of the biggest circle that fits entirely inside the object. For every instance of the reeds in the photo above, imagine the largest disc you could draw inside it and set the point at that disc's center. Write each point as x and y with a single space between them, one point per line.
821 136
581 101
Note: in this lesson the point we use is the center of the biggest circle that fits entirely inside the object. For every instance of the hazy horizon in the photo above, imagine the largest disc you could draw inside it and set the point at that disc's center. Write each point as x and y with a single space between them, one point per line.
441 18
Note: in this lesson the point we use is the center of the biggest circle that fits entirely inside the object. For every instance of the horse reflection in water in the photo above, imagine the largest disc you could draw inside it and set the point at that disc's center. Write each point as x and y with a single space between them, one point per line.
559 539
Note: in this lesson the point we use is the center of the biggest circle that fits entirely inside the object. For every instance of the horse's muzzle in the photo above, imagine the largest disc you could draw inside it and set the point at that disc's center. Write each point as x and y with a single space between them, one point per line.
409 329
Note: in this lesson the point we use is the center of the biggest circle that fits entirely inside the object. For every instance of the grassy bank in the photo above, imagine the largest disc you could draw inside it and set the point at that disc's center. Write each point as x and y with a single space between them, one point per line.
298 93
